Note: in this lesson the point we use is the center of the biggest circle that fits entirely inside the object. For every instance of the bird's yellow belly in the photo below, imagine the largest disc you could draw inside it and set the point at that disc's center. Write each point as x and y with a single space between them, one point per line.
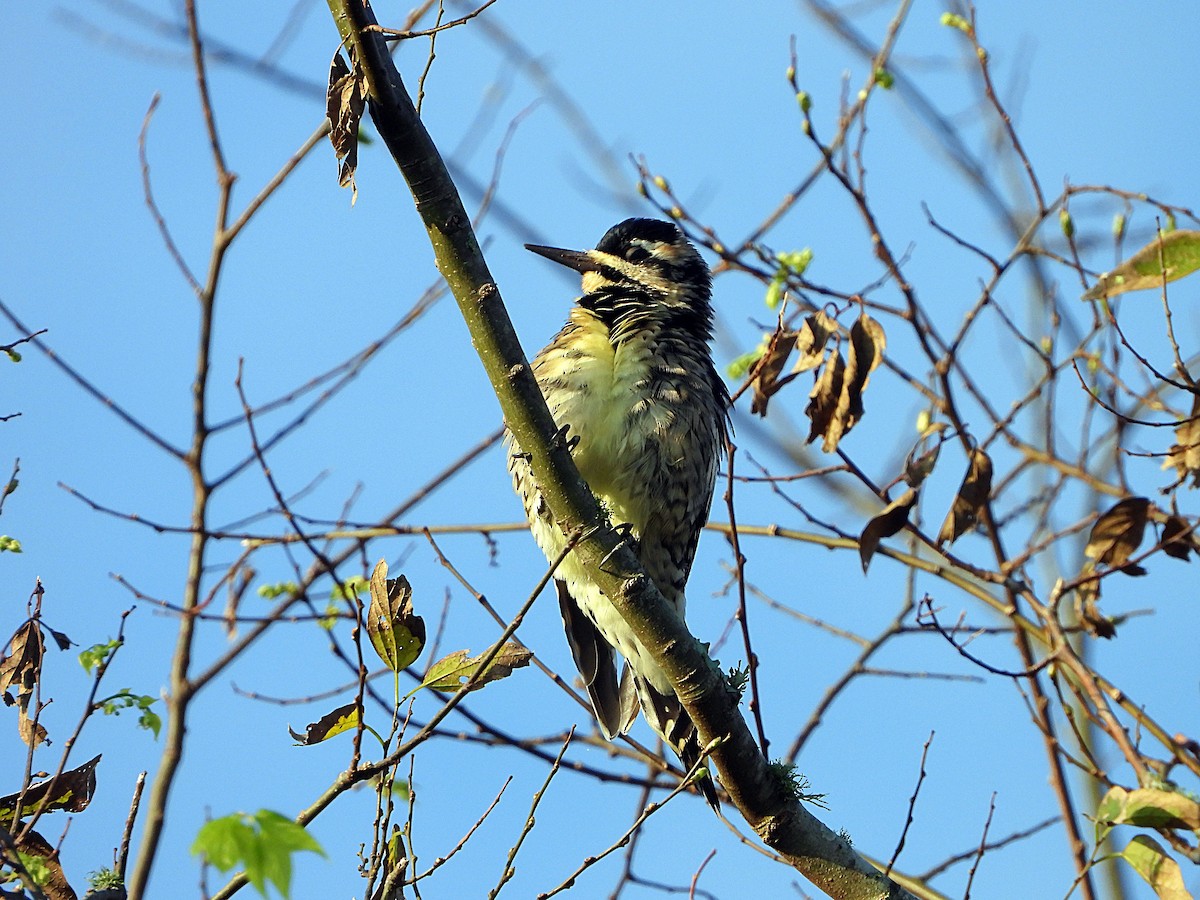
599 412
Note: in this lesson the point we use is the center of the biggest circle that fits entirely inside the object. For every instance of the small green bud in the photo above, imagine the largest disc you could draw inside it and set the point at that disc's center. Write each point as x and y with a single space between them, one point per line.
885 79
774 293
1118 226
1066 223
951 20
805 101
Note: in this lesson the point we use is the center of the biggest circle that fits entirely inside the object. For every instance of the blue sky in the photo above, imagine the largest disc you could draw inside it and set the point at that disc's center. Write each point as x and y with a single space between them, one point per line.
1099 93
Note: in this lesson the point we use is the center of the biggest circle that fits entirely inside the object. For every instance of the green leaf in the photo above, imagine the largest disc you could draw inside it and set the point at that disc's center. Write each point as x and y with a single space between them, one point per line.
36 866
262 844
1160 871
332 723
11 544
745 362
280 589
13 354
96 654
223 842
126 699
1149 808
350 588
451 672
1168 257
396 633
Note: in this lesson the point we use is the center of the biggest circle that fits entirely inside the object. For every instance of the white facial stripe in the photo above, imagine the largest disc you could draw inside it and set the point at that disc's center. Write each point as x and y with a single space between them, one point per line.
637 274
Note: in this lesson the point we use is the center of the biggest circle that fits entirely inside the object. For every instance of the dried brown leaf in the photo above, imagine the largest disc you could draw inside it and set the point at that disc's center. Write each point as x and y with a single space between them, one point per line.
1087 610
814 334
23 664
71 791
921 459
893 517
1184 455
823 403
835 402
31 732
867 343
767 382
970 500
1178 538
1118 533
345 101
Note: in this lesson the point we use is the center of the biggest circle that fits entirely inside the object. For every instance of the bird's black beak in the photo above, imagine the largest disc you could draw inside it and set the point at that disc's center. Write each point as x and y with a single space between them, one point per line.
579 260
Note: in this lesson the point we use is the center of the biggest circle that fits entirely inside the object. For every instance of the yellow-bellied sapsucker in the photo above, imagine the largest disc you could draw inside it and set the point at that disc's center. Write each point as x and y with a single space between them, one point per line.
630 376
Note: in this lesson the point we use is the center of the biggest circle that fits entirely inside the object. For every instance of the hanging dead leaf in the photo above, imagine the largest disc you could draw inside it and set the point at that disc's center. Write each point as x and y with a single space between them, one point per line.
814 334
31 732
970 500
867 343
1118 533
891 520
1179 538
345 101
71 791
396 632
451 672
20 669
835 402
1087 609
332 723
1184 455
1166 258
823 402
766 381
921 459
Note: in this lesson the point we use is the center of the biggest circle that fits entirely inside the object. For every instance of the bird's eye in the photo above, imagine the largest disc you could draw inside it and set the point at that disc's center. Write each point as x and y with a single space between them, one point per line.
637 254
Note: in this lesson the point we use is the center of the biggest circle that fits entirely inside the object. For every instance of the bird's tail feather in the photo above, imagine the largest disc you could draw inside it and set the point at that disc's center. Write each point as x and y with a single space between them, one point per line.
670 721
594 658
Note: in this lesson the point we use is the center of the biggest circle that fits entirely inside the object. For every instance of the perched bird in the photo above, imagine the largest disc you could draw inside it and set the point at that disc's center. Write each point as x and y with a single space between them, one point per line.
631 378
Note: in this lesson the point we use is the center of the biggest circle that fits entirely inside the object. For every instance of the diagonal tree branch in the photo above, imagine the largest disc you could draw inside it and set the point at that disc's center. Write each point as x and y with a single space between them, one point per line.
822 856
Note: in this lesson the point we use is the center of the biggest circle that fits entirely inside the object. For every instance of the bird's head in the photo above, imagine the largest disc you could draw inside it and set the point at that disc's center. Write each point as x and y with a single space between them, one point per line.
643 271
